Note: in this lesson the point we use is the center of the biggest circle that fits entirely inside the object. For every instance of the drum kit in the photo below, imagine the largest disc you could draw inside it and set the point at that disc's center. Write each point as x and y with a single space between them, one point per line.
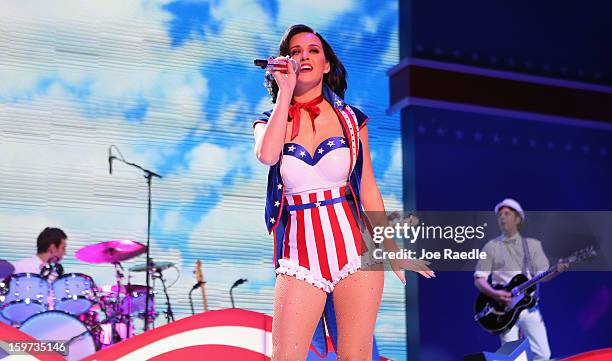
72 305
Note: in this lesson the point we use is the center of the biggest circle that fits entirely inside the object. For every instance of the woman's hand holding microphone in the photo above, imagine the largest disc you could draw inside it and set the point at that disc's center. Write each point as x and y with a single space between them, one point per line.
283 69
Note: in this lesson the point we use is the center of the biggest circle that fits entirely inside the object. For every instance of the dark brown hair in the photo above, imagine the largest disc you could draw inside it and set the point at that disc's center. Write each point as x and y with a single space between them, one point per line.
335 79
48 237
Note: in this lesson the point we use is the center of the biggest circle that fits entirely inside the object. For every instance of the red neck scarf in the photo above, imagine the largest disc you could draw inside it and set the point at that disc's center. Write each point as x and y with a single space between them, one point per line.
294 113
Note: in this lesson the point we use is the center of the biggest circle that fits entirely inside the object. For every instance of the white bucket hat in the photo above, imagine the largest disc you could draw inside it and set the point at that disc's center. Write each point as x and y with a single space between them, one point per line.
512 204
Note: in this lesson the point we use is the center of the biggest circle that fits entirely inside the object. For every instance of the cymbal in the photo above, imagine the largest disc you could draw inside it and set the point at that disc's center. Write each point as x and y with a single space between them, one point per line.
112 251
155 266
6 269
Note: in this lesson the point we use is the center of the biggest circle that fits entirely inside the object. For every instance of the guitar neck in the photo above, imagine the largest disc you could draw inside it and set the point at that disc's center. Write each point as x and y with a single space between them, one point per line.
204 302
576 257
533 281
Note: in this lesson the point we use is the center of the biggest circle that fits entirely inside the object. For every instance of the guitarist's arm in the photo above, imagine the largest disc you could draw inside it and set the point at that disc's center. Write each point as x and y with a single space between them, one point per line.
483 270
498 295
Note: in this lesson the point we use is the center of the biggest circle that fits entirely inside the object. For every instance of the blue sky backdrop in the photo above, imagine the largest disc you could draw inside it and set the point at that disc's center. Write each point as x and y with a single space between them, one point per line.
172 85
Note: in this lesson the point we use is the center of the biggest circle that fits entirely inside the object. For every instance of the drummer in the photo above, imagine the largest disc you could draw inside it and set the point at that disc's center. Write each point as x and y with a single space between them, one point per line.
51 247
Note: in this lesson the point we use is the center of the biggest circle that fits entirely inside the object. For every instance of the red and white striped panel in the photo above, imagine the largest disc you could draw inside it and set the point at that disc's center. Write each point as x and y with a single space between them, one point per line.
323 239
596 355
231 334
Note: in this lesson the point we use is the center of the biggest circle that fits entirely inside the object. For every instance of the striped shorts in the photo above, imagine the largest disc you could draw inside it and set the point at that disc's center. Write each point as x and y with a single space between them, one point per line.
323 242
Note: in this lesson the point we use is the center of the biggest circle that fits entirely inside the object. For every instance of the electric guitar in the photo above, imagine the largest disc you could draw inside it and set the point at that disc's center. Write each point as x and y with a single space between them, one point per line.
200 280
497 317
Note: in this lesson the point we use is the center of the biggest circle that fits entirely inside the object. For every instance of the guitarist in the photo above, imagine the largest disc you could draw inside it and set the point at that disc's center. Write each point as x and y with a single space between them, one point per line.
505 259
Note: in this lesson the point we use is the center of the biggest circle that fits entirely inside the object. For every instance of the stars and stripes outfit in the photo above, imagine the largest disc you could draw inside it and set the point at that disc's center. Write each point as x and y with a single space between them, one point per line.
313 209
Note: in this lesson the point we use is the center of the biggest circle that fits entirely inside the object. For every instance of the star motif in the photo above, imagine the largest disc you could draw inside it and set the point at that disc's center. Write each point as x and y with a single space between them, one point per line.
338 102
272 220
276 204
280 186
302 154
330 143
318 204
321 150
342 141
291 148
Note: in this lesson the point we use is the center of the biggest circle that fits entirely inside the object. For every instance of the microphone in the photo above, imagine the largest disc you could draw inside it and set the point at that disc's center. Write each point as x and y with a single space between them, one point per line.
239 282
267 64
110 161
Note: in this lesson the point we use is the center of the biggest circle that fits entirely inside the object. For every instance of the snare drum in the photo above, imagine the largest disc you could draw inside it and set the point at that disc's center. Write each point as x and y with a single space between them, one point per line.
26 295
74 293
135 301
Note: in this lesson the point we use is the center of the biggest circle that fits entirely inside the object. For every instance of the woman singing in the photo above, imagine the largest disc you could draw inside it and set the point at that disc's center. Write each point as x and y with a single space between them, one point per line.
319 184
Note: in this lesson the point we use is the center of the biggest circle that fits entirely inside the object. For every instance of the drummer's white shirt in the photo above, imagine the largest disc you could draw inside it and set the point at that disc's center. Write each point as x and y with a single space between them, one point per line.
31 265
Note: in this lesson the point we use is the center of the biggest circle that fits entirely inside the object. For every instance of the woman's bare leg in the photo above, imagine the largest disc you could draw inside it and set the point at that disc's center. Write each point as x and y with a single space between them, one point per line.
298 306
356 302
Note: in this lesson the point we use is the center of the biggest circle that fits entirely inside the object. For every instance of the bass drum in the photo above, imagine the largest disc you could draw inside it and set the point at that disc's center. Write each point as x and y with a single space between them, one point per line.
4 320
60 326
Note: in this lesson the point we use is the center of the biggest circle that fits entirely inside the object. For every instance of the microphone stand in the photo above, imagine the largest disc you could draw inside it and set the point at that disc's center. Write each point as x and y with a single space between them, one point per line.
191 301
232 296
129 298
236 284
169 313
148 176
190 292
115 337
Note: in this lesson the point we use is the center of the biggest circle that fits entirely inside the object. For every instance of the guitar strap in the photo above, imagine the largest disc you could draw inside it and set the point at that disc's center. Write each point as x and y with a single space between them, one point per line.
528 269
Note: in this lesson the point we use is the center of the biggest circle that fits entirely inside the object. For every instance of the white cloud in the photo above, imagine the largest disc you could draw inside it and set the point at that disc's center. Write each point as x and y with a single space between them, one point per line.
97 59
242 221
207 165
371 23
75 10
241 22
315 13
171 221
211 159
